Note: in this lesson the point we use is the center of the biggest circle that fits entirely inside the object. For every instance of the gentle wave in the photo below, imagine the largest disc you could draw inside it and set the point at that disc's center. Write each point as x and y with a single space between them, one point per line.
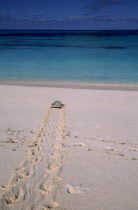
71 46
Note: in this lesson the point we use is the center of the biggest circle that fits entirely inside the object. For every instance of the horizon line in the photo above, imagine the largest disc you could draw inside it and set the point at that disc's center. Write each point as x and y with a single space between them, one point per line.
71 29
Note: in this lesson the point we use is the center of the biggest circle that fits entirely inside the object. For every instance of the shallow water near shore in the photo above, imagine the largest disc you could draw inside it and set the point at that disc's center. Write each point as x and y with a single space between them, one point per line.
76 57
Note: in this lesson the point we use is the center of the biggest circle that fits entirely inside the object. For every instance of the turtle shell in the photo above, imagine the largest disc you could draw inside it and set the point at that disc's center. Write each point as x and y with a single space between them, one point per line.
57 104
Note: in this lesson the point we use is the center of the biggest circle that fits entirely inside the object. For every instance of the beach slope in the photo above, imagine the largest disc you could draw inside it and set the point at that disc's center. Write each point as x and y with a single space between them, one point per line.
83 156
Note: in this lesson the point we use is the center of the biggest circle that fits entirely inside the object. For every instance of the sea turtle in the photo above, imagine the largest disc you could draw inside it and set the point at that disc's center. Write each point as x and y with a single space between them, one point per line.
57 104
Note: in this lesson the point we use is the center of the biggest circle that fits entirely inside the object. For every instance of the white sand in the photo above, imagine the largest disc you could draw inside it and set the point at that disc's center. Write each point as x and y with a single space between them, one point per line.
96 154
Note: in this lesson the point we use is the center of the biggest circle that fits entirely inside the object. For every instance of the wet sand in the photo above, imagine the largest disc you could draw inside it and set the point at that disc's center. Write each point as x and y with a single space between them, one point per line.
98 86
84 156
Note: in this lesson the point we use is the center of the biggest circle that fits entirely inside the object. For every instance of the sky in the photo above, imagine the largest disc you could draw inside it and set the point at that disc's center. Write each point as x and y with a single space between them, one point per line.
69 14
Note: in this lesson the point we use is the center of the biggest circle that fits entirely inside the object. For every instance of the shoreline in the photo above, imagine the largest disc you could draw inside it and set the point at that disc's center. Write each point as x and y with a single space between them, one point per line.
98 86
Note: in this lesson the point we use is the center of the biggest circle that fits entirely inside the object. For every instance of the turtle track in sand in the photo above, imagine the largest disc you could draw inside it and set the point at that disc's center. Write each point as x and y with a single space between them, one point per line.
36 180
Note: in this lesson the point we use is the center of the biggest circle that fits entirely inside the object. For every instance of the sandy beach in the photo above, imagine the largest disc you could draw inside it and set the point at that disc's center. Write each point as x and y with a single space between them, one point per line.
81 157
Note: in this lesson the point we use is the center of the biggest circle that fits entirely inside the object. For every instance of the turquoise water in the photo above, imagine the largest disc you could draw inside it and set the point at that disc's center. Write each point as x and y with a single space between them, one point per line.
108 57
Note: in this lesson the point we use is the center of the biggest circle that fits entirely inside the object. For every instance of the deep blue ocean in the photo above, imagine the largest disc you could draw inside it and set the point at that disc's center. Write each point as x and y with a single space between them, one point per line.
107 57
